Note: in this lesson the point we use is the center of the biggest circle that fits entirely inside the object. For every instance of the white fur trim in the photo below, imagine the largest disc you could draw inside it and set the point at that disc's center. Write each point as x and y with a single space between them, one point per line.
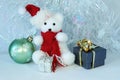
21 10
38 40
61 37
37 55
68 58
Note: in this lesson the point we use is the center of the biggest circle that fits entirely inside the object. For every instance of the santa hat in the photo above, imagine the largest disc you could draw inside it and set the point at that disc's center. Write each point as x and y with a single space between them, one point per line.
38 15
32 9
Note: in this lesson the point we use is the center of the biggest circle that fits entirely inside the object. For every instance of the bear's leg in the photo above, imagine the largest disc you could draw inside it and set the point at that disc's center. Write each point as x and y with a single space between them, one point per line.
37 55
68 58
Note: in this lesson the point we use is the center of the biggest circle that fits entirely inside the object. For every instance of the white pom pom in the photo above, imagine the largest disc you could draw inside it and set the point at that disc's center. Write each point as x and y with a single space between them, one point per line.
21 10
37 55
62 37
68 58
38 40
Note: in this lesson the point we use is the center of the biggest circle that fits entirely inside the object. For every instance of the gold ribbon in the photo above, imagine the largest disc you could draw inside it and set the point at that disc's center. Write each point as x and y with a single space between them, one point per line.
93 57
80 57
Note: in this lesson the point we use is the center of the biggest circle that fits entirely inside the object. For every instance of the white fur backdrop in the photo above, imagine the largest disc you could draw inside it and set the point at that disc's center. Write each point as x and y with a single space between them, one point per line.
90 19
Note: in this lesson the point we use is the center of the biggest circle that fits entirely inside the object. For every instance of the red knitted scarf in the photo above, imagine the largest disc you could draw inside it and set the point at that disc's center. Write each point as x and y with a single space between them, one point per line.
50 44
51 47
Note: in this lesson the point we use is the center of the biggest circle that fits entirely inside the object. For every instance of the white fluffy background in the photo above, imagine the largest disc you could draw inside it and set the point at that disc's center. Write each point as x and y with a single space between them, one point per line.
95 19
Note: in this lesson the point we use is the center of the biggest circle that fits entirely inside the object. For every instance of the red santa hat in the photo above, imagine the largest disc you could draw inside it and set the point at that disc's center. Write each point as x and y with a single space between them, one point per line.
32 9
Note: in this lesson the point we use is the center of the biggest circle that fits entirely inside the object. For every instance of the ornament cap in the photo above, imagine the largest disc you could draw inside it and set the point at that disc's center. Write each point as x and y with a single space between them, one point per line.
30 38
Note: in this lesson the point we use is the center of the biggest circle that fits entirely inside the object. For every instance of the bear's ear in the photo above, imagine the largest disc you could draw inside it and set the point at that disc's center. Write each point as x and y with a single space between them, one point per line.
59 17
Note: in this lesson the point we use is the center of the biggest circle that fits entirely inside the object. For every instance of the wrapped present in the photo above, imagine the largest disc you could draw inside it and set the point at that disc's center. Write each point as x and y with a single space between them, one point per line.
45 64
89 55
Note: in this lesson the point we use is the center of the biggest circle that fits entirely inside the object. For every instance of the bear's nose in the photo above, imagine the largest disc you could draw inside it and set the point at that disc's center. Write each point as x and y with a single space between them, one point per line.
49 29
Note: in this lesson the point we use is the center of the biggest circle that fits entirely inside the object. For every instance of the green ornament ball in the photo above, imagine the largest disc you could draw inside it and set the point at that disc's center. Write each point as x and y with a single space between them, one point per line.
21 50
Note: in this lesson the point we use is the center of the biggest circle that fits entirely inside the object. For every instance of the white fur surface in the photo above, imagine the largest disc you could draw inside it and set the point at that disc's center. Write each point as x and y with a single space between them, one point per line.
37 55
62 37
54 19
38 40
68 58
39 18
59 17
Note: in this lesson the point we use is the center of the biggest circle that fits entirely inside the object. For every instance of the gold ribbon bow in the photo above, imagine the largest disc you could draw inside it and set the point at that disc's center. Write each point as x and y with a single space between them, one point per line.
86 45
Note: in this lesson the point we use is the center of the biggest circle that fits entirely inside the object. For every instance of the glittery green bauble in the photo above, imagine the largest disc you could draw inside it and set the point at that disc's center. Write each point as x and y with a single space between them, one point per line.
21 50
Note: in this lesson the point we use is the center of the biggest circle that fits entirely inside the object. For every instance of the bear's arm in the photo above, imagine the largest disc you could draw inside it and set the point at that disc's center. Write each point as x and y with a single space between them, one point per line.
38 40
61 37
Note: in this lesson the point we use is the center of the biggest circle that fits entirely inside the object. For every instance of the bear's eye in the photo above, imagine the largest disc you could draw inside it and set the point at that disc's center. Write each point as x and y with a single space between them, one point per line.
45 23
53 24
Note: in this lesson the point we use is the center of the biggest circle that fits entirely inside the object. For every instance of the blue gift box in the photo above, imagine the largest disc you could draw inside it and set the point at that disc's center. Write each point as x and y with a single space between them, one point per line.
87 57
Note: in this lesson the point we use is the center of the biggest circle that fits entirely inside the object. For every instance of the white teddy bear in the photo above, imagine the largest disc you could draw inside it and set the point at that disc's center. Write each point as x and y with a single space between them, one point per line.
52 39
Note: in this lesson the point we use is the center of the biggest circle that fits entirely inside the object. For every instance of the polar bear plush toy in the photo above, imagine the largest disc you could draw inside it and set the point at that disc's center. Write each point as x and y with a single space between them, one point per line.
51 38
